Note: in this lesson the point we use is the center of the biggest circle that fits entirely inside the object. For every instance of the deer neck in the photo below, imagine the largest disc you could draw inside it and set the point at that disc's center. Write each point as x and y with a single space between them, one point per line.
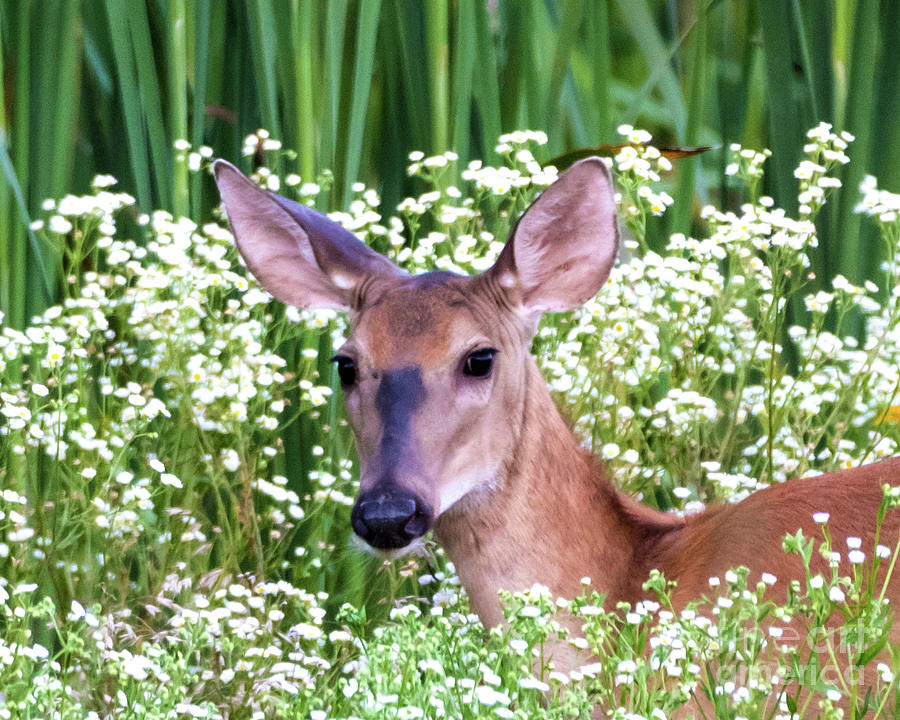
552 518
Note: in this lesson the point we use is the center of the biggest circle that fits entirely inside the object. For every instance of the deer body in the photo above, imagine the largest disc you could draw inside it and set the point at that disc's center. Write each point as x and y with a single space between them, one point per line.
560 519
456 429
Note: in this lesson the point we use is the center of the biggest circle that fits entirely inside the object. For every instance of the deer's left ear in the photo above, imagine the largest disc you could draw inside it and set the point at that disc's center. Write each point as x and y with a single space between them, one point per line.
564 246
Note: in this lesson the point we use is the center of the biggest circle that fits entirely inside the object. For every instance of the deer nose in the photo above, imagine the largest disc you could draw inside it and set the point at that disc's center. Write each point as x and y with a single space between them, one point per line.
390 519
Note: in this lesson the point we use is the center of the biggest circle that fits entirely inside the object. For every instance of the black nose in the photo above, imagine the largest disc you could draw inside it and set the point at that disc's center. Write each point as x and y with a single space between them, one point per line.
389 519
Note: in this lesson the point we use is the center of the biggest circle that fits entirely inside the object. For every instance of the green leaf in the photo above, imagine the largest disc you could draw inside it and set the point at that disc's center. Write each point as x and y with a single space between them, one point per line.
874 648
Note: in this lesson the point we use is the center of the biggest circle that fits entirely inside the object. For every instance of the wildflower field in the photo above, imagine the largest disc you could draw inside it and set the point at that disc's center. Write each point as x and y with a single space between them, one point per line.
155 562
175 471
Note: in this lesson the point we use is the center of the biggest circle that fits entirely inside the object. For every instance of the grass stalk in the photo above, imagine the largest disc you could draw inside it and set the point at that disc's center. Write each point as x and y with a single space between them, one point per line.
464 56
788 118
695 96
263 40
304 18
438 63
600 57
21 150
639 20
130 101
5 201
178 113
150 108
360 86
566 34
859 119
198 64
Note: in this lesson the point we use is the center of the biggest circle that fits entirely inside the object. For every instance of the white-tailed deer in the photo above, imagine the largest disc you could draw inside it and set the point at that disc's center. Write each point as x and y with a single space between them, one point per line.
456 429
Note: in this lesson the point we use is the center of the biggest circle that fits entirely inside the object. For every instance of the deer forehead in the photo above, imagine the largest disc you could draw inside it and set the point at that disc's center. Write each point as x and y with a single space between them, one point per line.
425 324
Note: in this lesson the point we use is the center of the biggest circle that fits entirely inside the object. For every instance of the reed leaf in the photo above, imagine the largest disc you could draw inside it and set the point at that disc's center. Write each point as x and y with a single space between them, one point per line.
859 119
198 33
178 100
360 85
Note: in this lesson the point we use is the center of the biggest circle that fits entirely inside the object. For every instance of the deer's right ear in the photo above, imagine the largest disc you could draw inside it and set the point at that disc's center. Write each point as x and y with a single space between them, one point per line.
297 254
564 246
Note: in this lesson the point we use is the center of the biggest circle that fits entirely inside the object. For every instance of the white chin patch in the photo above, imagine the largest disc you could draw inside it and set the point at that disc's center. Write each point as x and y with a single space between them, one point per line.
416 547
462 485
452 492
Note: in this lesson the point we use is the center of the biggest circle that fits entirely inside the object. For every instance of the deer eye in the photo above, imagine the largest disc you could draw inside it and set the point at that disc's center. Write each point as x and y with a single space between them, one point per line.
479 363
346 370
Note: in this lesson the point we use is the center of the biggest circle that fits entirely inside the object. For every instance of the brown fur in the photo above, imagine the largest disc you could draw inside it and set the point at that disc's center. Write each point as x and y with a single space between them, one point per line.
416 312
557 518
555 497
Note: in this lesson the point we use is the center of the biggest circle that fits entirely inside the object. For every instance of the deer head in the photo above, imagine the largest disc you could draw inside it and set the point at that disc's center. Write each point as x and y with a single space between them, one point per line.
436 366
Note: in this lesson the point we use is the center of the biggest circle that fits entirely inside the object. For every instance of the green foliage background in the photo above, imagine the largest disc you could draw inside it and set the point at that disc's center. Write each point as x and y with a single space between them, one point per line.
107 85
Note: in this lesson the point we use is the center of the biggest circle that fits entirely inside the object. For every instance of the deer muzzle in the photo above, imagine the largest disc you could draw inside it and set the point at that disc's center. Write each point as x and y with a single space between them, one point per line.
389 517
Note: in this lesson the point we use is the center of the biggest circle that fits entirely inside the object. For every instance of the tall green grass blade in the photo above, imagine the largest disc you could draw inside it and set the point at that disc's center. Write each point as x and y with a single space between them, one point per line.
886 119
99 69
438 62
151 107
130 100
569 26
198 67
741 97
754 133
520 78
263 41
177 91
815 36
304 19
787 118
361 83
404 42
401 130
811 70
198 52
859 120
657 54
55 73
464 56
62 74
600 58
42 99
485 88
223 84
18 258
841 48
538 37
335 26
697 82
44 270
6 234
